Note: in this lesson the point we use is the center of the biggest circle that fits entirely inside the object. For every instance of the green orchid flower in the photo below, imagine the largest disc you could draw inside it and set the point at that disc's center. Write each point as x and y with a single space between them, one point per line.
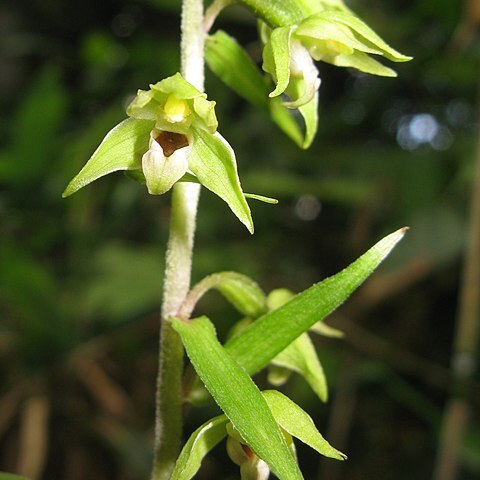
179 111
170 136
333 35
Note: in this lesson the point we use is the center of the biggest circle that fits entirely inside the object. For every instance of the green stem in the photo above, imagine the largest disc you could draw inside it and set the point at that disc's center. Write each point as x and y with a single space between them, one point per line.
168 426
168 423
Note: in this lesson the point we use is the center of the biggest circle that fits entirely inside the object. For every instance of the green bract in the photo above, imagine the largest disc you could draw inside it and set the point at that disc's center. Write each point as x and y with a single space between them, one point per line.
238 397
202 440
171 135
299 424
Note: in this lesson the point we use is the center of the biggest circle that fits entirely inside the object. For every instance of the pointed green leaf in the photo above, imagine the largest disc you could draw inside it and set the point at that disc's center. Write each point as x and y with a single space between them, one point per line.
239 327
301 357
213 161
237 395
229 61
299 424
276 58
121 149
258 344
202 440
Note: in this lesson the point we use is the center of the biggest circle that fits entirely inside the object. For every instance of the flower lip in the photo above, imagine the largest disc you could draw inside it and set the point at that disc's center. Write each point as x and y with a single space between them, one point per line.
171 142
166 161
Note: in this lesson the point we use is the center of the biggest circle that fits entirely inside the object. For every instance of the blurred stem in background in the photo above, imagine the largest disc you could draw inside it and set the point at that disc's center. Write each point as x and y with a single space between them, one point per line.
463 364
178 265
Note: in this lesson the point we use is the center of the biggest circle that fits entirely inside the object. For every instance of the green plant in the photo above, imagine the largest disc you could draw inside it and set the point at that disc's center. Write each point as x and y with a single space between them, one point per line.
170 142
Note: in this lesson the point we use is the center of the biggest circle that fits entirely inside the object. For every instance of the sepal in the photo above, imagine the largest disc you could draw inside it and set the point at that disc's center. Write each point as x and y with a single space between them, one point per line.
212 161
121 149
339 37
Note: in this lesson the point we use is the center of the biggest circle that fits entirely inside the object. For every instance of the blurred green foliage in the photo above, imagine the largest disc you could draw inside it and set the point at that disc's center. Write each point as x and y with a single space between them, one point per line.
80 278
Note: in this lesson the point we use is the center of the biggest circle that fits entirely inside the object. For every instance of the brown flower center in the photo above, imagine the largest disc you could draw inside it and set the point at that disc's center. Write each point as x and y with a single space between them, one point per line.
170 142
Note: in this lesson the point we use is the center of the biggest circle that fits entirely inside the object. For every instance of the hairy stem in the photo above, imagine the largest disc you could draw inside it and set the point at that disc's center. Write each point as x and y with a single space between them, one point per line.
168 424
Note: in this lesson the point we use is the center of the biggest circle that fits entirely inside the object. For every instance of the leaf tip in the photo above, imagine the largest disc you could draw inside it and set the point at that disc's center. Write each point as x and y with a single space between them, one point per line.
403 58
342 456
390 241
68 191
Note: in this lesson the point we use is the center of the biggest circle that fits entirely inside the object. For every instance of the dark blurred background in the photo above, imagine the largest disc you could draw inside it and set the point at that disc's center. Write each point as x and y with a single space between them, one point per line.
80 279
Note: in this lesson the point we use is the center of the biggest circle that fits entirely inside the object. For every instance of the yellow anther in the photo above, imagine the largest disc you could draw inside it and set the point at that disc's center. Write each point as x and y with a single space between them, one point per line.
176 110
